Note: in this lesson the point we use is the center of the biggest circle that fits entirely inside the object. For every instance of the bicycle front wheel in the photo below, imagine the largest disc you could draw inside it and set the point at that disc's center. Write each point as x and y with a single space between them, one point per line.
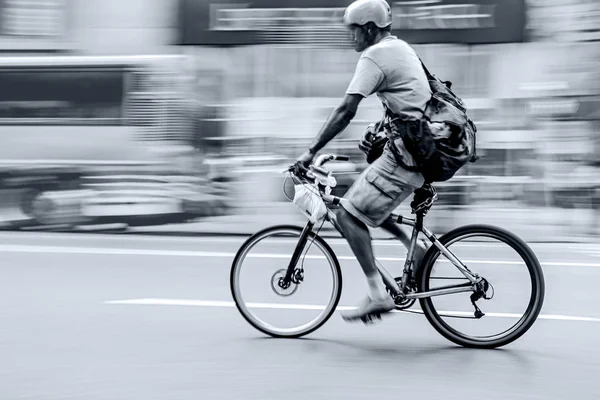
302 307
514 297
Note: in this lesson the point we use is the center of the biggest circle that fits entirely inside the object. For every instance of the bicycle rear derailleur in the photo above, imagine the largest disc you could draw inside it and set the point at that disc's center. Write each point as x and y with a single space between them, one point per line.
481 289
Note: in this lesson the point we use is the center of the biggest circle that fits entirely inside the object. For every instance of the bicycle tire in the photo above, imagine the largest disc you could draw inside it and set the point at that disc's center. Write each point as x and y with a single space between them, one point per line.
535 304
250 242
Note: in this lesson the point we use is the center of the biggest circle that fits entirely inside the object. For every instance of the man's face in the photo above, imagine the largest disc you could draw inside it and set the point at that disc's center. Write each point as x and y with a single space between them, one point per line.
359 39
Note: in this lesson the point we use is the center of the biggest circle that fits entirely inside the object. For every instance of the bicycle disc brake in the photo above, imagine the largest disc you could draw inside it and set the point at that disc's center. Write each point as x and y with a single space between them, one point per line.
283 288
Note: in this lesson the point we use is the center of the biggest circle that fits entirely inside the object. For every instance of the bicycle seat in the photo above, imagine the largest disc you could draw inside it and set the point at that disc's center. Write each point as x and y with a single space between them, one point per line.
423 199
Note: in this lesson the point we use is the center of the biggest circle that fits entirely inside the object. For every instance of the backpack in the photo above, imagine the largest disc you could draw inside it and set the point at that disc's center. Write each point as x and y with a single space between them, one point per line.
444 140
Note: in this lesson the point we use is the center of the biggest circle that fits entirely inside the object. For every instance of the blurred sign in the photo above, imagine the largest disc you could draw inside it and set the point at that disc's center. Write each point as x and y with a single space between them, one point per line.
236 22
32 24
577 108
564 20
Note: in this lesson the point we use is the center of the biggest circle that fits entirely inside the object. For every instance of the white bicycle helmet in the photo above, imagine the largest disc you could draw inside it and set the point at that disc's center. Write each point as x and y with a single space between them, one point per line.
362 11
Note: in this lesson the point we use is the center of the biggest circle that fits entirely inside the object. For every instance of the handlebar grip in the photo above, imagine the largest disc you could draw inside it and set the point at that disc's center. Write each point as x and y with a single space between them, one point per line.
319 170
342 158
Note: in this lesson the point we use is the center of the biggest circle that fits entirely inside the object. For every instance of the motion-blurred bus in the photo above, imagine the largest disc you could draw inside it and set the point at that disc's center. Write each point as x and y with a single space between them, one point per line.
111 127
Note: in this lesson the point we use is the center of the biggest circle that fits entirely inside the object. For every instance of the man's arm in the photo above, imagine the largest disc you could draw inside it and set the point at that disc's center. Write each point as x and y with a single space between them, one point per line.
338 121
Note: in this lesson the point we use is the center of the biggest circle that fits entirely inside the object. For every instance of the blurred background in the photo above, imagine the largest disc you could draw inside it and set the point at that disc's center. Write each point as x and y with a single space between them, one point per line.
178 115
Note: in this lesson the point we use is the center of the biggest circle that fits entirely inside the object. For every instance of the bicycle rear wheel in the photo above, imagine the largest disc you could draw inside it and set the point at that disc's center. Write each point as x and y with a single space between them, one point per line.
295 311
496 255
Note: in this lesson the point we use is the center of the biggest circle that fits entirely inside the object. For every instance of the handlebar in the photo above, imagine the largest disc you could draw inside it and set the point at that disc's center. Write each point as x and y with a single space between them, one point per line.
316 172
322 159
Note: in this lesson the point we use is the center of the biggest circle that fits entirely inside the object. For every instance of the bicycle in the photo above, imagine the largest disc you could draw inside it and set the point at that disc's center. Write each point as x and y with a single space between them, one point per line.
415 282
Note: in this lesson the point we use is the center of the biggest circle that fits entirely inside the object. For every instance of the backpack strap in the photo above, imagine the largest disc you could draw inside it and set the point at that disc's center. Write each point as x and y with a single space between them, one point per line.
429 74
431 77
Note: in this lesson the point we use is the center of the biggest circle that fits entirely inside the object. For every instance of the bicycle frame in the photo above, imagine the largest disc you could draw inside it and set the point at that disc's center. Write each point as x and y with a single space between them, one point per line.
417 227
402 288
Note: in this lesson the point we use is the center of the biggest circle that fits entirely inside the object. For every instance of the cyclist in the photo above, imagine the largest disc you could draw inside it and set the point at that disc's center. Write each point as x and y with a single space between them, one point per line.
390 68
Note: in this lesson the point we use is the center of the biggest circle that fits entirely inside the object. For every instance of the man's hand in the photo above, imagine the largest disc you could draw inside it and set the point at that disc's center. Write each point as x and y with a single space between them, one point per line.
300 167
372 143
365 145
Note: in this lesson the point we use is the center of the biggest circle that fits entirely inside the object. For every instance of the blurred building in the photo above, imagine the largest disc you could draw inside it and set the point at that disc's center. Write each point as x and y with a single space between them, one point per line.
88 27
528 71
243 86
94 96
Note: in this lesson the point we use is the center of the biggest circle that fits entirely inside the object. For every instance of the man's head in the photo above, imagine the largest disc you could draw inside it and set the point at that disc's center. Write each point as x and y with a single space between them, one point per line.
368 21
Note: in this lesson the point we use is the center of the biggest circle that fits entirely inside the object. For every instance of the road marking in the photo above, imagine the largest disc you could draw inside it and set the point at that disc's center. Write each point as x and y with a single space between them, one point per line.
180 239
212 254
98 237
109 251
224 304
231 304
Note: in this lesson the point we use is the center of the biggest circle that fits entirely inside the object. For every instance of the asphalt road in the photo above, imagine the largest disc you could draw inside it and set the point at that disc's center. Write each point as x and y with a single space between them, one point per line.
121 317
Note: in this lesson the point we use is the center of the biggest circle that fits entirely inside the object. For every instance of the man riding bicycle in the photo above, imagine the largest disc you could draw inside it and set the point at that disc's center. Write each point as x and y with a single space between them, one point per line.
390 68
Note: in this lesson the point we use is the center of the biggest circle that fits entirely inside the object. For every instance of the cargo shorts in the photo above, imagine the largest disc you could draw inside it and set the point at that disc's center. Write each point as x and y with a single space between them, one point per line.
380 189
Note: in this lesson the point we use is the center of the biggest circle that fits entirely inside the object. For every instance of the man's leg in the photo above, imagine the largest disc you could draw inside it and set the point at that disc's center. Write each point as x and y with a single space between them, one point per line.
397 231
358 237
377 192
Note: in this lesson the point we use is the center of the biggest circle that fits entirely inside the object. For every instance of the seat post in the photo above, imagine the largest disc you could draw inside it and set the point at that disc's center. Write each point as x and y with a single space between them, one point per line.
419 220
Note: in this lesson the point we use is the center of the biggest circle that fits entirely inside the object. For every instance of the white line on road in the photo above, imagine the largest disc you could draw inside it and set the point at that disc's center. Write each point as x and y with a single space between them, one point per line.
98 237
190 253
200 239
231 304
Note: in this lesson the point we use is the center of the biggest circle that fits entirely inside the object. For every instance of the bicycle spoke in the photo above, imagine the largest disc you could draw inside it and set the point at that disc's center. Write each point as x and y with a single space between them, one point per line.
504 303
295 302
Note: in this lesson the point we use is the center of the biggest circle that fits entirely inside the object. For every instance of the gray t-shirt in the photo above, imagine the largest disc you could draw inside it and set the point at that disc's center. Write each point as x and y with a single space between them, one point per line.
392 70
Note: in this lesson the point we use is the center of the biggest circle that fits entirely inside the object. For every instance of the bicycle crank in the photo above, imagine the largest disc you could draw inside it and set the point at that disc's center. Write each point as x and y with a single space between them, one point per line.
402 303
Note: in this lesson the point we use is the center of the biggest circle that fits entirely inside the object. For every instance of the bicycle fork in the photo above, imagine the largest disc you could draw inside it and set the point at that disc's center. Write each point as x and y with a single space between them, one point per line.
297 253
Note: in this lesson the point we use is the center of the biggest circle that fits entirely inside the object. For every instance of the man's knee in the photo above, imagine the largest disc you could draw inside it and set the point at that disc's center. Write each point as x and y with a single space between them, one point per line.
341 216
347 220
